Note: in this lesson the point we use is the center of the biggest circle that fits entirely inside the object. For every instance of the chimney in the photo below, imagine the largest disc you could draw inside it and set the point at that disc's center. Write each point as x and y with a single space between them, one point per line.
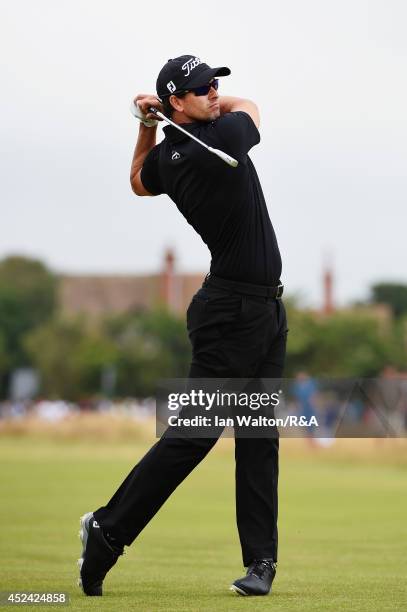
168 281
328 305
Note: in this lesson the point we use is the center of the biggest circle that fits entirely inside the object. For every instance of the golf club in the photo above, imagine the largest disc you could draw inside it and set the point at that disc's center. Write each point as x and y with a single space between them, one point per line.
224 156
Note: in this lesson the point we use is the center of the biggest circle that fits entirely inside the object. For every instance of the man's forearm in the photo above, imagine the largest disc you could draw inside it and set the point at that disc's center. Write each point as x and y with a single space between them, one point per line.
145 142
229 104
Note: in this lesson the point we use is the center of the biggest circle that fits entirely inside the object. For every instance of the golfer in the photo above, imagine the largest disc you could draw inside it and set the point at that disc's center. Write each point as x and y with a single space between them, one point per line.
236 321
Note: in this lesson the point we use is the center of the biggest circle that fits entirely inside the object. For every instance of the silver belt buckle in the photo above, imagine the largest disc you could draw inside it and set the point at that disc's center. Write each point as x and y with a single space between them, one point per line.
280 290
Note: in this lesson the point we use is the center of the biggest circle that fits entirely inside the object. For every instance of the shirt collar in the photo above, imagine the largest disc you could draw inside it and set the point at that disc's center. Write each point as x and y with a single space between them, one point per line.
175 135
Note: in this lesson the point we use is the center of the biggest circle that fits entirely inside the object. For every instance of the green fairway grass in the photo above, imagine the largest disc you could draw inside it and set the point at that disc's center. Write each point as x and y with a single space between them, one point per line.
342 525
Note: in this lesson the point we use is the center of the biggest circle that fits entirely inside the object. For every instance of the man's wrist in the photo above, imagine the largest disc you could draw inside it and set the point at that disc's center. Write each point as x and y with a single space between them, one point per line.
148 128
149 123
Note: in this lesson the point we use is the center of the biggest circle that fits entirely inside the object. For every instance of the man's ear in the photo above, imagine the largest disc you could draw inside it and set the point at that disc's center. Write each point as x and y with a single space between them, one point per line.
176 103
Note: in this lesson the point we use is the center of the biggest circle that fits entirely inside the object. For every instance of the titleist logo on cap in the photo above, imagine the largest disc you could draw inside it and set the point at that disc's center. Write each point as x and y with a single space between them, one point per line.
190 65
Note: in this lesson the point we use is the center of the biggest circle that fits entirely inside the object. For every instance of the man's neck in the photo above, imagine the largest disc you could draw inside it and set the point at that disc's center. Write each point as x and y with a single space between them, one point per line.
179 117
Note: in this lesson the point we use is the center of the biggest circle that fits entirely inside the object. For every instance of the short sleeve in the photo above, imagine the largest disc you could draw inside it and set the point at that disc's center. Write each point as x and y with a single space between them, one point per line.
238 133
150 176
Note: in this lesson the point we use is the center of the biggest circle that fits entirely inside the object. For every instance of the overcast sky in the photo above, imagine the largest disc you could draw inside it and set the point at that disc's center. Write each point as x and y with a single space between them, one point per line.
329 77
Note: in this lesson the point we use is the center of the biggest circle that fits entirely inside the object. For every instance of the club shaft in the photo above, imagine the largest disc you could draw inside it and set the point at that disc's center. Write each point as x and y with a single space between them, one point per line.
223 156
181 129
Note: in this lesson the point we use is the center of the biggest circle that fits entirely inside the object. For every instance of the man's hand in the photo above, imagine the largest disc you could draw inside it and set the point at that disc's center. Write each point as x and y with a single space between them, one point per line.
144 101
136 111
146 139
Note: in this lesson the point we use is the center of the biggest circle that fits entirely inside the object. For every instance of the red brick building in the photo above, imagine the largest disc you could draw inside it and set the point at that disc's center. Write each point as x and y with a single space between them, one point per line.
99 294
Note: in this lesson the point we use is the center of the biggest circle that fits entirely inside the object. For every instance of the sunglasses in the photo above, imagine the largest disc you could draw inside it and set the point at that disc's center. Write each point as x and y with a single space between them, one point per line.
203 90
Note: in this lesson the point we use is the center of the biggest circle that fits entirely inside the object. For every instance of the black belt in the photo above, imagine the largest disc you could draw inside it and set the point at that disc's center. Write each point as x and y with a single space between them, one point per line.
244 288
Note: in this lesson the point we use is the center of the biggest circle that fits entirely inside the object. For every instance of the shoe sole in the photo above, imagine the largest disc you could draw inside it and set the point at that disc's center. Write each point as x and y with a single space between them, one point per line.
240 591
83 536
237 590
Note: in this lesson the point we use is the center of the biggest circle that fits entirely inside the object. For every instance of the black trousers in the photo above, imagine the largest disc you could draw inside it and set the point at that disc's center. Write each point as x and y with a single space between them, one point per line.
232 336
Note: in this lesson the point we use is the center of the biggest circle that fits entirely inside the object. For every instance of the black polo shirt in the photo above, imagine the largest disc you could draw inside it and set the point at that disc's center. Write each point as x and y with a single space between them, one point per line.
225 205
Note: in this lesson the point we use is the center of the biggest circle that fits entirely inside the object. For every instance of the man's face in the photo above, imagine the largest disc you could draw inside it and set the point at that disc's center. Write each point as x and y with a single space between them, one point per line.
201 108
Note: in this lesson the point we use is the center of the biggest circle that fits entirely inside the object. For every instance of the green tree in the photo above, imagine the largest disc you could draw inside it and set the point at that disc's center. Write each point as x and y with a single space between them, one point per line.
3 355
301 349
70 357
27 299
151 345
344 344
393 294
348 345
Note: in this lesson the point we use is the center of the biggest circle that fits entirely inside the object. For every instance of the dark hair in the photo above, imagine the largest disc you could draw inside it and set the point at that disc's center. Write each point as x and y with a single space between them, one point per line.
168 108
